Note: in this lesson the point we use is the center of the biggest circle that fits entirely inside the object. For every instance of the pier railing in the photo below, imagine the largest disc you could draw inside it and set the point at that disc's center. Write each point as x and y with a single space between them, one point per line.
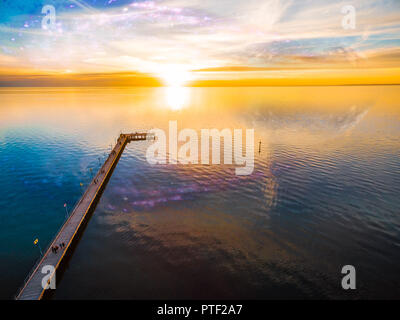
47 248
129 137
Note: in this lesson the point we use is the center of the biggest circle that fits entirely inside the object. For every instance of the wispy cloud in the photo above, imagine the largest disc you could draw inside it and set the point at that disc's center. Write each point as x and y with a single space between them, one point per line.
147 36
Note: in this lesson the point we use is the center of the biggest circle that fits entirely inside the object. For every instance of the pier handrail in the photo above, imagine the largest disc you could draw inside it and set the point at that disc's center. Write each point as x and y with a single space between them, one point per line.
39 259
31 286
47 248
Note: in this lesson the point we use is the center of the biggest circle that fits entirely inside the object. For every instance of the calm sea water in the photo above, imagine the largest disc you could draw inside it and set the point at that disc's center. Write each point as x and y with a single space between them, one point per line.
324 193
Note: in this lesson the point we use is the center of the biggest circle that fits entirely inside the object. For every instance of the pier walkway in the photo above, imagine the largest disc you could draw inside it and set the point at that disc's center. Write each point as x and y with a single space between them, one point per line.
32 288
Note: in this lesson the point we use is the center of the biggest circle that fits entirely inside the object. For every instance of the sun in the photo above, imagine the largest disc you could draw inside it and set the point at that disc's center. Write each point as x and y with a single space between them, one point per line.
174 75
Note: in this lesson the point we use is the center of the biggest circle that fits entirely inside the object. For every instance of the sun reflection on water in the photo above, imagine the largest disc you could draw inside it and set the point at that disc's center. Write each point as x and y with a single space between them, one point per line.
176 97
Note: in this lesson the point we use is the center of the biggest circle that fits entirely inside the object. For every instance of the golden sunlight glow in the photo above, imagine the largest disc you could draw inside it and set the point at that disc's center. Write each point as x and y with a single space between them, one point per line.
202 45
174 78
174 75
176 97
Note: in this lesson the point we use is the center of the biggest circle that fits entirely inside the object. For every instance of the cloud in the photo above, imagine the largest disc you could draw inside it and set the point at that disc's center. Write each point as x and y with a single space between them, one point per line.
146 36
81 80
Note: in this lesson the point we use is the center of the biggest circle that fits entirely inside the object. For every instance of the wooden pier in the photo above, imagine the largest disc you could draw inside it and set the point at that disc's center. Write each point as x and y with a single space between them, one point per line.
32 288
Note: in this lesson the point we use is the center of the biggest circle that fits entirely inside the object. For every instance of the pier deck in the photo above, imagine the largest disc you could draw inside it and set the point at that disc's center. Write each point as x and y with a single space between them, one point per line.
32 289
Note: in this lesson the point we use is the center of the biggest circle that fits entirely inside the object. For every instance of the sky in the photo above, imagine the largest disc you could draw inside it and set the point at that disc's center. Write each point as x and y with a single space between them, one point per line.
202 42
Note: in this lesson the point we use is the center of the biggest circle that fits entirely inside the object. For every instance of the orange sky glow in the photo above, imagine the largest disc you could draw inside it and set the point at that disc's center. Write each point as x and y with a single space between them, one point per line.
201 43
